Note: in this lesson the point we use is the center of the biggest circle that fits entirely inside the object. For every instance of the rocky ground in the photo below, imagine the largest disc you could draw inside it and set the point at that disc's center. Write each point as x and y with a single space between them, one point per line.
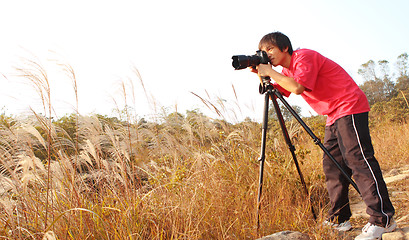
397 181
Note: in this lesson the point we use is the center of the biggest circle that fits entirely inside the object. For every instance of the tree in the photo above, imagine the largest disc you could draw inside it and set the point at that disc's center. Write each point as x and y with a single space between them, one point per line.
284 111
377 88
388 86
367 71
402 82
402 64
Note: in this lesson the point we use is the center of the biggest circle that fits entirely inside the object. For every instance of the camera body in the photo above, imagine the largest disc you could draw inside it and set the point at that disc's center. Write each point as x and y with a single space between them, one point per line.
244 61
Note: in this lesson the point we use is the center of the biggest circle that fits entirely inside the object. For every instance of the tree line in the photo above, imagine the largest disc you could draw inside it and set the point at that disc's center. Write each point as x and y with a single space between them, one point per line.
380 85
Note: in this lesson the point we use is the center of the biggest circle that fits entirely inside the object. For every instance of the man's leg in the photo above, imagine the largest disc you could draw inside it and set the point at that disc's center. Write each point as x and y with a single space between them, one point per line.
337 184
356 147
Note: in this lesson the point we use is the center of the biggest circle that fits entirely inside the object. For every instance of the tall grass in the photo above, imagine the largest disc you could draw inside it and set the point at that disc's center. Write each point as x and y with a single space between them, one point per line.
183 177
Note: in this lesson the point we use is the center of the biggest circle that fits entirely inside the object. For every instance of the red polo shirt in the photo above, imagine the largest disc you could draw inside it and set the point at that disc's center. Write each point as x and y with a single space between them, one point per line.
329 89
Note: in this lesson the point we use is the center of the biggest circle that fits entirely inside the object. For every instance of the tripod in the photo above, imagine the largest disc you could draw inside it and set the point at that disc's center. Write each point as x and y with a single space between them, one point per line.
271 92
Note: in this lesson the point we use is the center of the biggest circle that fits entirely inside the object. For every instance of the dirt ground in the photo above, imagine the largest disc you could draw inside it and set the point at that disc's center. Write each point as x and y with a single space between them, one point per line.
397 181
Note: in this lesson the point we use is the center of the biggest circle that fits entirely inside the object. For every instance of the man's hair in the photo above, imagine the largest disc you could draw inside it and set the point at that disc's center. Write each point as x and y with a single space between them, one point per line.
277 39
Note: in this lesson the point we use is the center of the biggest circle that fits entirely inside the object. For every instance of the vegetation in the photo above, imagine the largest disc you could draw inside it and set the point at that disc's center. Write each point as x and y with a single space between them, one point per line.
184 176
379 84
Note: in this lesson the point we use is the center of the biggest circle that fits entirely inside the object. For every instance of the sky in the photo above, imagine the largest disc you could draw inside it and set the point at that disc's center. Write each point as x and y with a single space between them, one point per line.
182 50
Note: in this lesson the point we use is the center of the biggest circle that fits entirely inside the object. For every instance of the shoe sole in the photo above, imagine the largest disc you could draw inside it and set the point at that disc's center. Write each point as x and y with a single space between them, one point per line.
391 228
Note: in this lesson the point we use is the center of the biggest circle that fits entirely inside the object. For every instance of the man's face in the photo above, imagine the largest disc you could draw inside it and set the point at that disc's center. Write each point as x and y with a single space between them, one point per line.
275 55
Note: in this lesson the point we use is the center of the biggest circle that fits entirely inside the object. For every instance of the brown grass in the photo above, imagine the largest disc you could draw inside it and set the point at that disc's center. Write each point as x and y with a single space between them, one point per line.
185 177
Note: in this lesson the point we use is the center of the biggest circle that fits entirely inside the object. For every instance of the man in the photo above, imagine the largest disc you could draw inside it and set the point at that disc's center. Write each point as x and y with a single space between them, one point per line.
330 91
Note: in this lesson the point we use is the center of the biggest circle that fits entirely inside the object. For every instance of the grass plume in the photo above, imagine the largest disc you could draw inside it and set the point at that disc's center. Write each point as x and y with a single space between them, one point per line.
186 176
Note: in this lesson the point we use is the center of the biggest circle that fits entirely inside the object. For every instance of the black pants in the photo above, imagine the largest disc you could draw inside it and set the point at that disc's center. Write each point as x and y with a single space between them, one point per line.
349 142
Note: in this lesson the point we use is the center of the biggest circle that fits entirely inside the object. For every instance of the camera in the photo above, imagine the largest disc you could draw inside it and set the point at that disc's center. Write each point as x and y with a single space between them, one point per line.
243 61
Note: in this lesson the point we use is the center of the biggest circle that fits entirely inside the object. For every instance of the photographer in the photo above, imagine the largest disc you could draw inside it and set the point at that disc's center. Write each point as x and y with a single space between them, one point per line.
330 91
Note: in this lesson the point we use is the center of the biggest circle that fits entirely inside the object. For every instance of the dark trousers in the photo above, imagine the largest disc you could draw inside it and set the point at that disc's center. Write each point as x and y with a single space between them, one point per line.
349 142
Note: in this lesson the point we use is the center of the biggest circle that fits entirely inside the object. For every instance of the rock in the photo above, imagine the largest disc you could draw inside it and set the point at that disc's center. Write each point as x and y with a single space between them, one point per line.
393 236
286 235
50 235
398 234
406 232
396 178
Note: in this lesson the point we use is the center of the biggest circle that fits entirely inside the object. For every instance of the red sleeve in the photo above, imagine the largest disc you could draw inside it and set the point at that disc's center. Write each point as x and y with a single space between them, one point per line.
305 69
282 90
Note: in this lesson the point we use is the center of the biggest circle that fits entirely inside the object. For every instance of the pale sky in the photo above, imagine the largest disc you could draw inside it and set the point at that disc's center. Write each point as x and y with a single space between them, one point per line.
180 47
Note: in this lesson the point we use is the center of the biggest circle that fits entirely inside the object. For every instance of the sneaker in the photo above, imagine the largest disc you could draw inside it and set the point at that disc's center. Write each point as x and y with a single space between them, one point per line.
342 227
373 232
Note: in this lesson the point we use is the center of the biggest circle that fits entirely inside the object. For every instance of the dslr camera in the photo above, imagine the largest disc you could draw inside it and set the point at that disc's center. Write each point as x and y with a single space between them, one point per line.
243 61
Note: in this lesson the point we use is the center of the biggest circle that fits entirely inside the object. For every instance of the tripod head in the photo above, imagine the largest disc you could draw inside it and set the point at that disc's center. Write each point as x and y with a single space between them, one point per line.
265 86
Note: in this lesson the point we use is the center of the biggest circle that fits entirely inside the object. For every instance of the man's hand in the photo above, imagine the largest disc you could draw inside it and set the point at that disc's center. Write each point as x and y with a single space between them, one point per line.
287 83
261 70
253 69
264 70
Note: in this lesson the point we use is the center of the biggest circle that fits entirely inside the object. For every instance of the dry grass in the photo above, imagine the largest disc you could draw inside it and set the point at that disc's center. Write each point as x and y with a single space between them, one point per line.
187 177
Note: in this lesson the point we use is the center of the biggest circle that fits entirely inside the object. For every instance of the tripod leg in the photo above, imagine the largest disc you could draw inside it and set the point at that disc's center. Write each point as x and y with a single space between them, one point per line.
315 138
292 150
262 157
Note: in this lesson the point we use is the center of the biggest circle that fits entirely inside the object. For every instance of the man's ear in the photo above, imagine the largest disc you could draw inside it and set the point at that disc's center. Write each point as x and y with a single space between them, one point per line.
285 49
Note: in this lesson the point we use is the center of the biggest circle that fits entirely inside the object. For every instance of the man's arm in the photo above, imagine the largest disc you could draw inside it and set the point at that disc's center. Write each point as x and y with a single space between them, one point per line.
288 83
